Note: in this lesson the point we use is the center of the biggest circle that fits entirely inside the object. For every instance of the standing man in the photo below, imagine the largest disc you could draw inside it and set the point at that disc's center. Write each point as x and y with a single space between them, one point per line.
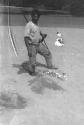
33 39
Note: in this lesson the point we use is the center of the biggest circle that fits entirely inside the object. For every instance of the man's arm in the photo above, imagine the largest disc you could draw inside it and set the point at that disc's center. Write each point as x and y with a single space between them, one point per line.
31 37
28 35
43 36
30 41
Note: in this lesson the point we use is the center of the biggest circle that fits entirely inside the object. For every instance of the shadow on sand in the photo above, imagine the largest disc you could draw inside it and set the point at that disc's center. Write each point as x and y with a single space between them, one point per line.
39 84
24 67
12 101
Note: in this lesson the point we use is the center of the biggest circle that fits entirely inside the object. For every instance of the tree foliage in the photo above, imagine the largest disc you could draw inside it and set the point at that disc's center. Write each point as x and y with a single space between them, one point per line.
76 7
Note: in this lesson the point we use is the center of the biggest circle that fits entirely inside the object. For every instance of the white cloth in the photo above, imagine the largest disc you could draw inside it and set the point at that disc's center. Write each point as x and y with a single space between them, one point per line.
59 42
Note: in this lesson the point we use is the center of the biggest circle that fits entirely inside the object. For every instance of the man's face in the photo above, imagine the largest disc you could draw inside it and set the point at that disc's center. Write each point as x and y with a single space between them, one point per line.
35 18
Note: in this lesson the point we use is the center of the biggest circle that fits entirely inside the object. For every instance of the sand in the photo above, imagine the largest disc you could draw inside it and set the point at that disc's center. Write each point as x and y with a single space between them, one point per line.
48 101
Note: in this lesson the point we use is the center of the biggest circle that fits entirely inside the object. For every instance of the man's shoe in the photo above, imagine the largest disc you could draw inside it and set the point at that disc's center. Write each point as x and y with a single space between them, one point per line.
33 73
52 67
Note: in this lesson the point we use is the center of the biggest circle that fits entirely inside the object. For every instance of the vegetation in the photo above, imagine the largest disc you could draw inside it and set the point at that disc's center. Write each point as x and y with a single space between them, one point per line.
75 7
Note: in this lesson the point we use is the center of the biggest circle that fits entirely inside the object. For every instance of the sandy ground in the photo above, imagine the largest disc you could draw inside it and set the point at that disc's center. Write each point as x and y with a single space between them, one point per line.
27 100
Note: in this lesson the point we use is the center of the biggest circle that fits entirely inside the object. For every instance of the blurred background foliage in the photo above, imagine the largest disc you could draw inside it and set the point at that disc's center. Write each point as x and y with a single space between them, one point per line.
75 7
